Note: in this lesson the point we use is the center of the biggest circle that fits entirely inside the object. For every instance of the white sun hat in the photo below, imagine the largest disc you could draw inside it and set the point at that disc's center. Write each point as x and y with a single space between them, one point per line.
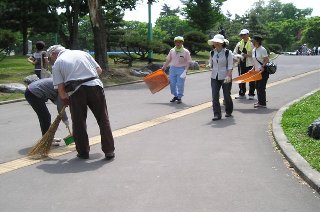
218 38
244 32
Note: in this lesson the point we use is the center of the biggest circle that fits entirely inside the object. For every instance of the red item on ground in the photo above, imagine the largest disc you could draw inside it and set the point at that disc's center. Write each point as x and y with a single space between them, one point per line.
156 81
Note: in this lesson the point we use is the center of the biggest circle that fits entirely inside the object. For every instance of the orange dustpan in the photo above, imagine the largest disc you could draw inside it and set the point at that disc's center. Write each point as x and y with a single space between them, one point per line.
156 81
248 77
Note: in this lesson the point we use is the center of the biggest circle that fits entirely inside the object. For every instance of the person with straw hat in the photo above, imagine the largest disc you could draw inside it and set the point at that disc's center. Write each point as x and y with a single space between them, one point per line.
221 64
37 94
179 60
76 74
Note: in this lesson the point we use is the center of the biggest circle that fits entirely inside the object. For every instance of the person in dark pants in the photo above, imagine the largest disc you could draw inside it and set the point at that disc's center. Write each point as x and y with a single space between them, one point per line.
76 75
260 59
37 94
244 48
39 58
221 63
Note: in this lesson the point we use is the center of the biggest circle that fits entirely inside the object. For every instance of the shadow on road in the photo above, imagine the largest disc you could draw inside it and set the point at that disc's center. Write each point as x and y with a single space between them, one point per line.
257 110
178 106
74 165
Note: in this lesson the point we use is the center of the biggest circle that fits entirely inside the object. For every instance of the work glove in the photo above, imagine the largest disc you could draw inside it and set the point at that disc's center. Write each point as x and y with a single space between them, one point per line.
184 74
65 101
227 79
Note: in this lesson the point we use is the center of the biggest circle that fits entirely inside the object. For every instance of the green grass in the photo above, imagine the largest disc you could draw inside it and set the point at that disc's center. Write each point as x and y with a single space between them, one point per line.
295 124
14 69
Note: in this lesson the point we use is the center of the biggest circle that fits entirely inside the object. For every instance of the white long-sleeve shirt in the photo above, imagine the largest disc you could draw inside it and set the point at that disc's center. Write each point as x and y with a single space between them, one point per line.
218 64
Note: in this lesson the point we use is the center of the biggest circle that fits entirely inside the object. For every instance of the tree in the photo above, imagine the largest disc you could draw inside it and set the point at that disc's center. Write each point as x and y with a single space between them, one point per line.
172 26
203 14
195 41
167 11
69 28
310 34
28 16
7 39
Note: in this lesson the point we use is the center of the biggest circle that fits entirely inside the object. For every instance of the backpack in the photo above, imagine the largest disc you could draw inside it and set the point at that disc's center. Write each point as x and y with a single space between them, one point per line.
226 55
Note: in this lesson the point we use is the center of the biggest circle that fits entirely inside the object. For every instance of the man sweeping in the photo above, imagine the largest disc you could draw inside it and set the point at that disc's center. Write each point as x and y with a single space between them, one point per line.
37 94
75 73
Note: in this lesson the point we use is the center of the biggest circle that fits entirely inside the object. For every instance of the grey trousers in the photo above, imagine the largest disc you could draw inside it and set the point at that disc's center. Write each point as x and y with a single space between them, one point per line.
226 88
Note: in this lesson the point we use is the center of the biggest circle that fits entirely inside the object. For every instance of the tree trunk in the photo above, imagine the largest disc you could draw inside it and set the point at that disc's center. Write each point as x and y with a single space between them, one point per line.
99 33
25 39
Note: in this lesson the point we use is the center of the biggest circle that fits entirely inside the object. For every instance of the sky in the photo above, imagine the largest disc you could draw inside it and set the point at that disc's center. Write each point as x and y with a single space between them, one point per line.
233 6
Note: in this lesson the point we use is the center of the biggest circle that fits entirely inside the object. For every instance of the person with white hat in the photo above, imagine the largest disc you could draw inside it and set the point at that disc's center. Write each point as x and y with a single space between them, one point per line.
244 48
221 63
179 60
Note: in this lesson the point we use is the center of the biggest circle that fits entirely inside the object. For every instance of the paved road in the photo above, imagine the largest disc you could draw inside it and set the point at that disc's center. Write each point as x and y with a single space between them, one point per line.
186 164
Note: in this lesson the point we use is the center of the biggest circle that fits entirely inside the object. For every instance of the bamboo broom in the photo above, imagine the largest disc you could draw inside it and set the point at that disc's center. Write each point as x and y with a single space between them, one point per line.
42 148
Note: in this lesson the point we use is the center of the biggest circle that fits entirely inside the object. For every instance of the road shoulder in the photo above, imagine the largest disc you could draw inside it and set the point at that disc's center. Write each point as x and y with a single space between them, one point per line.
311 176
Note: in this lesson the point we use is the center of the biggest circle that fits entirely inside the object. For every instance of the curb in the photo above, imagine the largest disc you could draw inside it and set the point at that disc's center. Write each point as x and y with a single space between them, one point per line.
107 86
310 175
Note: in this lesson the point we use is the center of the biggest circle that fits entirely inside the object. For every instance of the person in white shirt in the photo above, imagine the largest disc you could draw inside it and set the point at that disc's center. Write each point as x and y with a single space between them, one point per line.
221 64
260 59
75 73
244 49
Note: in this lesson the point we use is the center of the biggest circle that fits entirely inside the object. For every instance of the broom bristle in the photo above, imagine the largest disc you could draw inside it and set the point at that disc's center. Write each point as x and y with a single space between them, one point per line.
42 148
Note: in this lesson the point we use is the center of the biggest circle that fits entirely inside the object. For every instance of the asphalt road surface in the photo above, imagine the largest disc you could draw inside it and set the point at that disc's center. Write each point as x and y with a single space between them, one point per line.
186 163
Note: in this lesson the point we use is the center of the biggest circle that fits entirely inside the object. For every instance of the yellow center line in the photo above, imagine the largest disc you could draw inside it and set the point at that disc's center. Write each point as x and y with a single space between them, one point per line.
25 161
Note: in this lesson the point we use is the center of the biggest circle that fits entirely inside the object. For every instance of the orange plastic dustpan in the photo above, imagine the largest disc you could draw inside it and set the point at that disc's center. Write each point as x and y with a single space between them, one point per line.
156 81
248 77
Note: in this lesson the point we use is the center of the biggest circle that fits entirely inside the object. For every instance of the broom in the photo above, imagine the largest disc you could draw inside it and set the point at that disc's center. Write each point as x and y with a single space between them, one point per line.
43 146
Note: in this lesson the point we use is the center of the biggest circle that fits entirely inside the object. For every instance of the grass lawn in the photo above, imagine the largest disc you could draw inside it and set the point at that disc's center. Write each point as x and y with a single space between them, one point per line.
295 124
15 68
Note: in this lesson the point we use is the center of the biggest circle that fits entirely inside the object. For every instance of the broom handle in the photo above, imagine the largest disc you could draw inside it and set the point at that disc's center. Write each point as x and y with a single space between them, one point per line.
69 130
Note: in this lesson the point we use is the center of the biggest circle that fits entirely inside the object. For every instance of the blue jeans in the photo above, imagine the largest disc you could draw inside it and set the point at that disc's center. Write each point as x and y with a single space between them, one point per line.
176 83
226 88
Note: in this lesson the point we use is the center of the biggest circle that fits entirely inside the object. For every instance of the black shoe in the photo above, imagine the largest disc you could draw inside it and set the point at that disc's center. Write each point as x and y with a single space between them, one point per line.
83 155
216 118
109 156
179 101
174 99
228 115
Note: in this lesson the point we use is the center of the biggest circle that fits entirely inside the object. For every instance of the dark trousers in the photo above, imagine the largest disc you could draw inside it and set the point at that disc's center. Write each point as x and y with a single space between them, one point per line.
226 88
261 88
242 86
41 109
38 73
94 98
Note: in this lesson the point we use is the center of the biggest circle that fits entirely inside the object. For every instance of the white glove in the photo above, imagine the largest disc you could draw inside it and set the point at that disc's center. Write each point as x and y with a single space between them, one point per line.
227 79
66 122
184 74
239 56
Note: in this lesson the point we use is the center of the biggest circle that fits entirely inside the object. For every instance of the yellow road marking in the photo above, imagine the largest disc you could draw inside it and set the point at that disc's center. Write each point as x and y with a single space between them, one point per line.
25 161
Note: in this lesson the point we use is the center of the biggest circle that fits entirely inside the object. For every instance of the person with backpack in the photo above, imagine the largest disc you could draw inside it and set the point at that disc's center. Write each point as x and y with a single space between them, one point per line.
221 64
39 59
244 48
260 59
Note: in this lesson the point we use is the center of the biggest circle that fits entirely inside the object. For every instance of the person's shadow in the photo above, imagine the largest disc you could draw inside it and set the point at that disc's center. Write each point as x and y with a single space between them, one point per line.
74 165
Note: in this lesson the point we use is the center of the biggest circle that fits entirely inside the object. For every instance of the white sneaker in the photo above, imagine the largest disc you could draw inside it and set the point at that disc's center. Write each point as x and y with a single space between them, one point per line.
240 97
251 98
56 142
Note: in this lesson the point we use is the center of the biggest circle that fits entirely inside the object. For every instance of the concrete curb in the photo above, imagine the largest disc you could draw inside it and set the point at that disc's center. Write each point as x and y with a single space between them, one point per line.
311 176
107 86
